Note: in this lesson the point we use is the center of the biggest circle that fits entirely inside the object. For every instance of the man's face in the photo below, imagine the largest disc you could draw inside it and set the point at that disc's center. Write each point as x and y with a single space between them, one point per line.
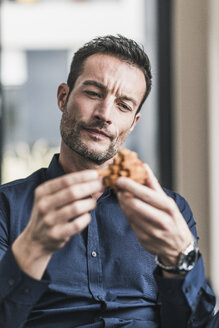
101 108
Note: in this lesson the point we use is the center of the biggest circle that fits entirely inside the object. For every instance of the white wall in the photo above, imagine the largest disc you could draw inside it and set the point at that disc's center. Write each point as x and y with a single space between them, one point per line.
67 25
191 112
42 25
196 99
213 84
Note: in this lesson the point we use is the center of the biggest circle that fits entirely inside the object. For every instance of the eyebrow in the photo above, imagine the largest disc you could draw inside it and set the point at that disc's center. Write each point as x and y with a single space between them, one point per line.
129 99
95 84
103 88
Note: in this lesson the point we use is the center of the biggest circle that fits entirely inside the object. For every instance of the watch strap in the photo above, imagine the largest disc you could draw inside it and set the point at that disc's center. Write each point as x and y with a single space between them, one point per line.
186 259
168 268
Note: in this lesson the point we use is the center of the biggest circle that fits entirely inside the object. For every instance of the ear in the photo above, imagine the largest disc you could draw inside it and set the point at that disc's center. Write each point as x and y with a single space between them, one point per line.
137 116
62 94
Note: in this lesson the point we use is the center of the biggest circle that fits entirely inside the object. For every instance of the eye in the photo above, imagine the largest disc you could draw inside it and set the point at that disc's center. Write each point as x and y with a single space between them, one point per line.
124 107
93 94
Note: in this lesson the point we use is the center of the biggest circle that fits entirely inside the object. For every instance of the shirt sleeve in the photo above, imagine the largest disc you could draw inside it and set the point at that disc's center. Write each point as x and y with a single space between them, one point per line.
187 301
214 323
18 293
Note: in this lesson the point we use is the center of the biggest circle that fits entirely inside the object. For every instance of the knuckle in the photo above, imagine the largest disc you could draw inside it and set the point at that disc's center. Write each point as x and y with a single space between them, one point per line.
158 234
172 205
76 208
38 192
54 234
167 224
42 206
73 192
135 204
77 226
65 181
65 214
80 223
48 221
164 225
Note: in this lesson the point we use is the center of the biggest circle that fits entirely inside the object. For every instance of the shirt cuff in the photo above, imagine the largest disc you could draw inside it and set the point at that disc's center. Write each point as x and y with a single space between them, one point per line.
183 289
17 285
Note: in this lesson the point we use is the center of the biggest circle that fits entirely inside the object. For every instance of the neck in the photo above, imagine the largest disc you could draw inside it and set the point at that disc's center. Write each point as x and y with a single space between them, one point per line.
73 162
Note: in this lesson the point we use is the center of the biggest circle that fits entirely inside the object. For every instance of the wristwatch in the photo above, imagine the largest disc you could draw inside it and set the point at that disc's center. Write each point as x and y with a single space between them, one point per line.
186 261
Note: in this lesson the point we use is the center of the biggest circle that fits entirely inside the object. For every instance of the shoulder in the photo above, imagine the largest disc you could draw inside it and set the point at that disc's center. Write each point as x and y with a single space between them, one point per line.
180 200
36 176
16 198
214 323
19 188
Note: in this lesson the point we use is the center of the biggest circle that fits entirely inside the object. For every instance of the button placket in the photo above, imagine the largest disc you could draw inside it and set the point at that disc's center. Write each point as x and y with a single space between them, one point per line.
94 260
11 281
94 254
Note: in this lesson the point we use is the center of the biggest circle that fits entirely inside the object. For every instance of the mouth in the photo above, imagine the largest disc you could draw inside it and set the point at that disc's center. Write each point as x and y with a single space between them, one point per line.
97 133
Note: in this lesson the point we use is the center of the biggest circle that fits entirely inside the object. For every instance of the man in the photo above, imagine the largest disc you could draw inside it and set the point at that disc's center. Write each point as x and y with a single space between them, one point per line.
214 323
76 255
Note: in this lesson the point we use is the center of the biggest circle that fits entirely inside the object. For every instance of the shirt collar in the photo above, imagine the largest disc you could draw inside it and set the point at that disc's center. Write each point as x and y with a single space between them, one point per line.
55 169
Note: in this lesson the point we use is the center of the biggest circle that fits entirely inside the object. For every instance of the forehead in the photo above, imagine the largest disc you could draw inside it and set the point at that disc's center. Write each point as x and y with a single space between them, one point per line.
114 73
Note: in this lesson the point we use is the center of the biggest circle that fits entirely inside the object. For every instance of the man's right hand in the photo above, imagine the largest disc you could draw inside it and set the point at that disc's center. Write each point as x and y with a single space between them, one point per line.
60 210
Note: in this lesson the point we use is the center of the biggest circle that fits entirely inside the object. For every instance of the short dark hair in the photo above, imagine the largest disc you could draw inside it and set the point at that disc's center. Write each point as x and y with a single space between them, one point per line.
118 46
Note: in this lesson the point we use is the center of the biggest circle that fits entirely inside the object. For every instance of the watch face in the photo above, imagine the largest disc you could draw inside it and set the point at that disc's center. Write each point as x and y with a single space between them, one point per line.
188 261
191 259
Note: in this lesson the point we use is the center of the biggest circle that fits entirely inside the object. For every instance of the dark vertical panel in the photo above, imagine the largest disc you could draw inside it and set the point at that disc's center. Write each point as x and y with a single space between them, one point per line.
1 102
1 132
164 91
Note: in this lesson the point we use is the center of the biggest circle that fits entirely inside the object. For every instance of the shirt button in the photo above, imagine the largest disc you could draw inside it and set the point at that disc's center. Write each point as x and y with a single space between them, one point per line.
11 282
26 291
93 254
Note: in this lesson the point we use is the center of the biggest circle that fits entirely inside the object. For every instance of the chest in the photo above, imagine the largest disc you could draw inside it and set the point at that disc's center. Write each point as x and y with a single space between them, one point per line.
106 257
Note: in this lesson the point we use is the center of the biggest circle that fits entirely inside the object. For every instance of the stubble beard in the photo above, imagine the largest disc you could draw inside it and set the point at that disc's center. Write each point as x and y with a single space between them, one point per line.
71 135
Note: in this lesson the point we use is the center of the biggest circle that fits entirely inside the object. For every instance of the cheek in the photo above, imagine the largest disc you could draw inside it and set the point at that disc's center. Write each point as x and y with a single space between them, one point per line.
75 110
83 109
123 129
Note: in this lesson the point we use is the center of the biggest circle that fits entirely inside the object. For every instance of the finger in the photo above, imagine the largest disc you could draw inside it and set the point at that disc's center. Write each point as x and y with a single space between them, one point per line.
64 181
156 199
70 212
159 225
68 195
155 241
139 213
148 229
71 228
152 181
165 243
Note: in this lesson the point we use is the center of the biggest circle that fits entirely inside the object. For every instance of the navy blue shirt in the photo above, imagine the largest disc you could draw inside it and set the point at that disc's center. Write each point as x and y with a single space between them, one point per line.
214 322
102 277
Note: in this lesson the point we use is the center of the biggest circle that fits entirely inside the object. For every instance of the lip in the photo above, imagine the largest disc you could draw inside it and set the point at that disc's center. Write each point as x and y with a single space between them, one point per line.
97 132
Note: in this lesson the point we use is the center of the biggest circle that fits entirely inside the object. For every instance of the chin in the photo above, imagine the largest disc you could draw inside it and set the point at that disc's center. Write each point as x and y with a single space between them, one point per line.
99 155
97 147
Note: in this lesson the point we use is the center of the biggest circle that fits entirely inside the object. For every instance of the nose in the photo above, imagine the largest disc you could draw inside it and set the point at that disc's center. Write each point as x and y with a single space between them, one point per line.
104 111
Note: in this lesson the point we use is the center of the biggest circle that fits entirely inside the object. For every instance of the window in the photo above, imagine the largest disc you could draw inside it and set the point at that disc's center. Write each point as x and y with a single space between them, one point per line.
36 55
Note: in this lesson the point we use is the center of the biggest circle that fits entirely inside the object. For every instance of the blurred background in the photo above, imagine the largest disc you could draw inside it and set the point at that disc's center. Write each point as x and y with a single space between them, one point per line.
178 133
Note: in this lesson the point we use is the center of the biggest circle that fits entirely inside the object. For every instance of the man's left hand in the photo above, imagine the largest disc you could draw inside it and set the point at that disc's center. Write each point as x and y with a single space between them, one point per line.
155 218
